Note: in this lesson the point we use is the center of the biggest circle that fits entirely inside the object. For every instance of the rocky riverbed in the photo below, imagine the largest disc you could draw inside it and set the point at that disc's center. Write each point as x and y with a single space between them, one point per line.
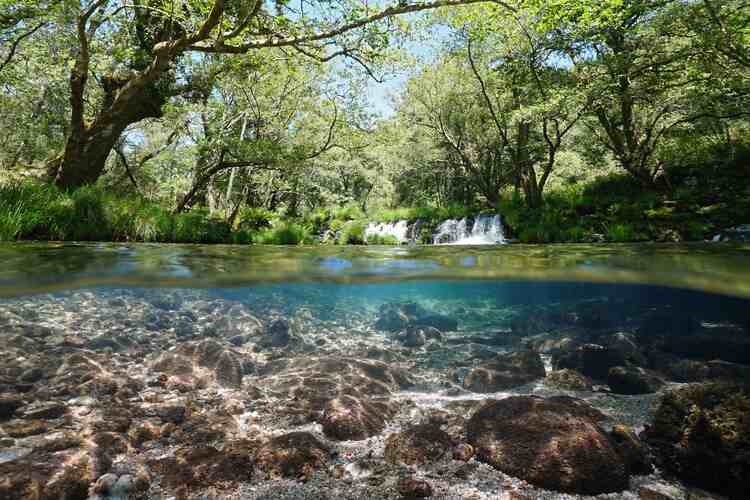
167 394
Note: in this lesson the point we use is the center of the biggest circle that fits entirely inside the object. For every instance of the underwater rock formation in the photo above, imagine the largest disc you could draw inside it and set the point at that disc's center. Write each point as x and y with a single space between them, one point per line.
504 371
394 317
418 444
568 380
554 443
701 434
632 380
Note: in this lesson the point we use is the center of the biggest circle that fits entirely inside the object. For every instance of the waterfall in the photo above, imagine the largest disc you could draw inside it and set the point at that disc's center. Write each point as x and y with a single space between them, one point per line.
487 229
484 229
398 230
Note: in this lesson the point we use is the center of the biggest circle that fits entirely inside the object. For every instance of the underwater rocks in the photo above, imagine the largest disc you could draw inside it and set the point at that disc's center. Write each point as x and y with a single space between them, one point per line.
8 406
592 360
414 488
353 418
295 455
350 398
63 475
632 380
195 468
394 317
186 362
568 380
554 443
418 444
701 434
726 342
417 336
504 371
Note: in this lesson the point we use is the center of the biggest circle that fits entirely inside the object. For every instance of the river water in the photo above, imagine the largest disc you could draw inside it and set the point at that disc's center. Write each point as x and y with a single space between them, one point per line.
171 371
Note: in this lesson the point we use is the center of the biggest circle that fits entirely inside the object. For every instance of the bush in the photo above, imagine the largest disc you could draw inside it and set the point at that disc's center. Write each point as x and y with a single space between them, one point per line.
426 213
620 233
254 219
352 233
284 233
377 239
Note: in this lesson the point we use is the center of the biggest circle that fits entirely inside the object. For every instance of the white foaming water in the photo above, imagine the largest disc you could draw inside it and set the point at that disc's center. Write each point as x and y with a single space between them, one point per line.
397 229
486 230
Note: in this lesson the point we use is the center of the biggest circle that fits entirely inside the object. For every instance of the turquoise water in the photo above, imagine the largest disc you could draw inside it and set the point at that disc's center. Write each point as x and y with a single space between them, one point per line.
167 371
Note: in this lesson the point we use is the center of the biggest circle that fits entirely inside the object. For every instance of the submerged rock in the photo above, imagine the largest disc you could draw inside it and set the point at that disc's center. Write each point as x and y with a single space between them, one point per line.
414 488
568 380
229 370
8 406
196 468
419 444
417 336
352 418
701 434
295 455
592 360
350 397
506 370
632 380
553 443
396 317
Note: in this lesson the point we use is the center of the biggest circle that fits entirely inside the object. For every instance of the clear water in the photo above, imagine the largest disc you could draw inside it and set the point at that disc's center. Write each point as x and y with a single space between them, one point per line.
88 328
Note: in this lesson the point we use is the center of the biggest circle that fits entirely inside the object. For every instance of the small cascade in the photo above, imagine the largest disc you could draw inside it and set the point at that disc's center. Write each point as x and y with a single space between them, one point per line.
398 230
485 229
450 231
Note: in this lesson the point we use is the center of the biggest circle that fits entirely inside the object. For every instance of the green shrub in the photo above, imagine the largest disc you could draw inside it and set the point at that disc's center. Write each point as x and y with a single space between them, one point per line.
255 219
284 233
352 233
377 239
426 213
620 233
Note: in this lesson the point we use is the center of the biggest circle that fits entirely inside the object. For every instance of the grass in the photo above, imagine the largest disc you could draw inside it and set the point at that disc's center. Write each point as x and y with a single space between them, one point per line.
42 212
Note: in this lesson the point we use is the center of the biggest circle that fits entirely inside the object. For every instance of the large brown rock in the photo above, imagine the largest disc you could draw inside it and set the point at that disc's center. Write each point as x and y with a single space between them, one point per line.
506 370
554 443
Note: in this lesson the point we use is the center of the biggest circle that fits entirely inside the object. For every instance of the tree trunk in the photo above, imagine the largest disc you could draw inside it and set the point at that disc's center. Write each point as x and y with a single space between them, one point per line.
87 150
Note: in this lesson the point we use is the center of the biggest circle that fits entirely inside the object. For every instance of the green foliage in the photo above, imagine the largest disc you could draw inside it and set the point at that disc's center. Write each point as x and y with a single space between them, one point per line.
382 240
352 233
254 219
284 233
40 211
620 233
425 213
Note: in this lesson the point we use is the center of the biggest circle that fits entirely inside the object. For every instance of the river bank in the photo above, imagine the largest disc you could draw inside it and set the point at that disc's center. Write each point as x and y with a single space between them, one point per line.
608 209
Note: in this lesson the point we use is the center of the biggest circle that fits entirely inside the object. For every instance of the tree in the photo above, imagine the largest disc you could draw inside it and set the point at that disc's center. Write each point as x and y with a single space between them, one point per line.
151 40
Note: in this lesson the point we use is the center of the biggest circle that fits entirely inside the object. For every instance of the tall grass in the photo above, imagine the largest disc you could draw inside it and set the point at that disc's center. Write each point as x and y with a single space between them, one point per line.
40 211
